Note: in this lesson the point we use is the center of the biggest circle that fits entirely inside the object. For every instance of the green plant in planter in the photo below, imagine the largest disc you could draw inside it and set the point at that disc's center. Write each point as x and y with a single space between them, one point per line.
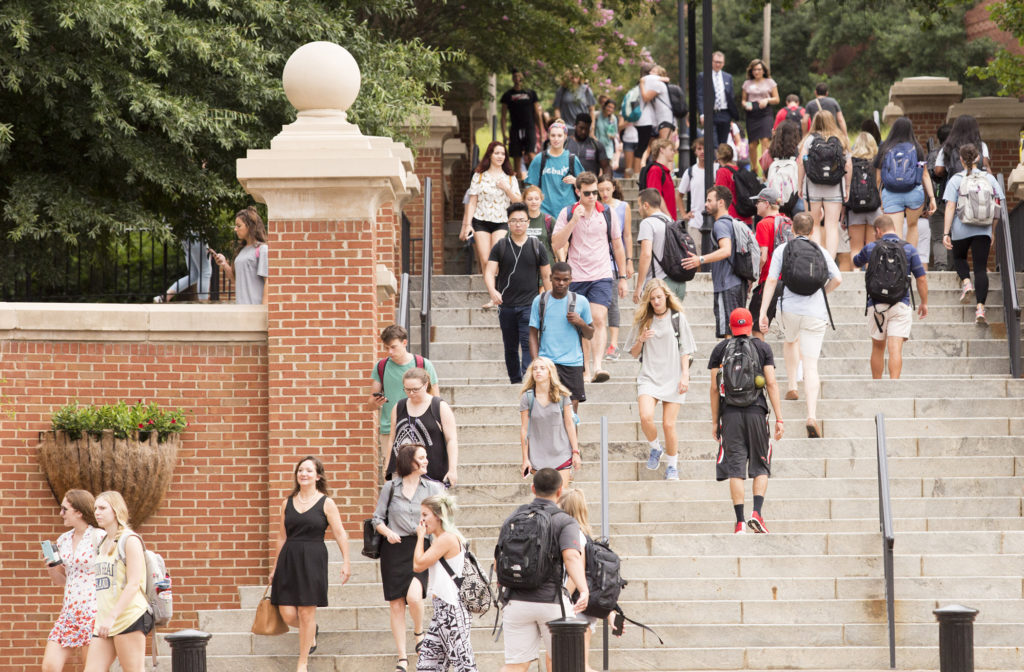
123 419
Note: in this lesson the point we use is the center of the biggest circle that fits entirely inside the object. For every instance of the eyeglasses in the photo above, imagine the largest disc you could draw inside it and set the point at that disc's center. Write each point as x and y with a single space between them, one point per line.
413 390
589 193
518 220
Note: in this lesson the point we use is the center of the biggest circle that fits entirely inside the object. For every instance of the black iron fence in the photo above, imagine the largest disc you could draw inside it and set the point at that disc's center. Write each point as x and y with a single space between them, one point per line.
132 268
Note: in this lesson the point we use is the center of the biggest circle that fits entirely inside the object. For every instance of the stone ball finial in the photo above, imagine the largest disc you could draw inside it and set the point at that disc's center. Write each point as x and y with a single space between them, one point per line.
321 76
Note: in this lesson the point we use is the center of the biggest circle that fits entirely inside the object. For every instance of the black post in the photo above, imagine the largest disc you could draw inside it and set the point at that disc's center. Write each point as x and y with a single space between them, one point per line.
567 649
406 245
684 133
188 650
956 638
691 56
709 126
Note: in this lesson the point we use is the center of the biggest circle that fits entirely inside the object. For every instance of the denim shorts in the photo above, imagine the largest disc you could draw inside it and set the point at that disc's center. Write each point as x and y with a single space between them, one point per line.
893 201
596 291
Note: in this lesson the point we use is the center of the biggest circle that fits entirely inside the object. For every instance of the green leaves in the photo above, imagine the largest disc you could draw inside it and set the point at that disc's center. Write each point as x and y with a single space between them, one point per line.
1006 68
123 419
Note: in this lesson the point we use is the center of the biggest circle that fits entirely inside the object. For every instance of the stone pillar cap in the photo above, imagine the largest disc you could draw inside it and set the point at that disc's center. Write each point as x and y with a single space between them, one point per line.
891 113
321 79
925 86
1000 118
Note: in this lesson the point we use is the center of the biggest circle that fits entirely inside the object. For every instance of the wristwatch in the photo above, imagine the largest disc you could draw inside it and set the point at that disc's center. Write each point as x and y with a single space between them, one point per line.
700 259
622 277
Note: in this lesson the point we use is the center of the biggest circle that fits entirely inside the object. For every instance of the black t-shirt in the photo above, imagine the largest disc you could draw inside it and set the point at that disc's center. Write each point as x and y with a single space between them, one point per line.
589 152
518 270
567 535
764 351
520 106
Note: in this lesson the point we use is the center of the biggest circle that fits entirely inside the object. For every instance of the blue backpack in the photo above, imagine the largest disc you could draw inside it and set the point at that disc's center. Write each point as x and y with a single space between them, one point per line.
900 169
632 106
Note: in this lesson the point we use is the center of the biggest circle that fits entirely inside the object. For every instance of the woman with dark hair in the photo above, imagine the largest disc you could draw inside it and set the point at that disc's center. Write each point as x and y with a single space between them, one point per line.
250 267
299 575
965 131
396 517
759 92
905 184
122 611
425 419
492 189
73 570
871 128
782 153
966 236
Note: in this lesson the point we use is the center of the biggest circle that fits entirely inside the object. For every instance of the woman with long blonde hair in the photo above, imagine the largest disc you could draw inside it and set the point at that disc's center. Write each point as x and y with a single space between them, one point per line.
664 344
825 201
122 610
447 643
859 224
574 502
548 426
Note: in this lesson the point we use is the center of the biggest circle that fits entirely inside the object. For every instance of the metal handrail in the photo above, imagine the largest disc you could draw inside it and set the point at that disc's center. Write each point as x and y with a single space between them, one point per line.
888 539
406 244
605 524
428 263
1011 302
402 311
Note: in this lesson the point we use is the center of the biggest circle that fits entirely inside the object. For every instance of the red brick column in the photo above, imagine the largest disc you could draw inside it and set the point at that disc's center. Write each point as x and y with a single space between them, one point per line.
324 184
429 163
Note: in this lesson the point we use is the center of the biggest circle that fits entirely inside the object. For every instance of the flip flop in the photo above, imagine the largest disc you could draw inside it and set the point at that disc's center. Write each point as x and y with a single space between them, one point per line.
792 395
602 376
813 429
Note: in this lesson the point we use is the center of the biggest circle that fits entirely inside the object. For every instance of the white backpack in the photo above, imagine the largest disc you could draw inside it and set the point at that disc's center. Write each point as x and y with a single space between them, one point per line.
782 175
976 200
158 582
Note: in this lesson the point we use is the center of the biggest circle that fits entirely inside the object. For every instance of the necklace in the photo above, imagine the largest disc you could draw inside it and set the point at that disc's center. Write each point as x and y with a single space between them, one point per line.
305 500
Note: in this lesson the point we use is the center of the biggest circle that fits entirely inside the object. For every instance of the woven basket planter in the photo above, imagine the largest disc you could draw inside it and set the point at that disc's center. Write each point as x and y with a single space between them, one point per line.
140 469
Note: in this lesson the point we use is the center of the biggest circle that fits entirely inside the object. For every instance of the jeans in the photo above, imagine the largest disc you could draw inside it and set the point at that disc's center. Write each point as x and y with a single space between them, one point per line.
197 259
515 334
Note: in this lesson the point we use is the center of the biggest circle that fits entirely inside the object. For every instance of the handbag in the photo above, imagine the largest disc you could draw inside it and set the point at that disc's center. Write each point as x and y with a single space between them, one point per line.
372 539
268 618
474 588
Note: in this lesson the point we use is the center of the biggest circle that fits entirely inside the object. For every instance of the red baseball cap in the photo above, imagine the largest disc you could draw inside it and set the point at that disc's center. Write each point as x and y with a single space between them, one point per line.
741 322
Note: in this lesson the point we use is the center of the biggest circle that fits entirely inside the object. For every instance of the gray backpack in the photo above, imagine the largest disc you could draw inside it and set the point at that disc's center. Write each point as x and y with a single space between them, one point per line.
976 200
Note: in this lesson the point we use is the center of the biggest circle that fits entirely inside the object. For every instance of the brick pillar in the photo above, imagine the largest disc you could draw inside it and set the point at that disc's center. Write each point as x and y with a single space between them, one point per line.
1000 120
924 100
429 163
324 183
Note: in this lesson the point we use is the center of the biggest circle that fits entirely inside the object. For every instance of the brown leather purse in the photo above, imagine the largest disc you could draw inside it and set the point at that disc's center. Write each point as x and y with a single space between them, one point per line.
268 618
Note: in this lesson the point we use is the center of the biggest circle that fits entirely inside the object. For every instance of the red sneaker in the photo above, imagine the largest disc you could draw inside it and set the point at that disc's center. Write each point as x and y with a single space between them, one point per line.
757 523
740 528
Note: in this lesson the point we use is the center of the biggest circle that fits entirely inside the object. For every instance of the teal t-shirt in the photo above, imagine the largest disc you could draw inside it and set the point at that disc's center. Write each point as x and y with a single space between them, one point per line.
557 194
393 388
560 341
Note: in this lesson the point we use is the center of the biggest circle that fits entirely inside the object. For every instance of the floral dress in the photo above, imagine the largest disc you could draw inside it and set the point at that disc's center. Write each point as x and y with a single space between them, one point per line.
74 625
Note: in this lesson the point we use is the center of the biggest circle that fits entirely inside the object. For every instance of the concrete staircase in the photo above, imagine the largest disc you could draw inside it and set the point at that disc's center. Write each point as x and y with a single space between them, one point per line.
808 596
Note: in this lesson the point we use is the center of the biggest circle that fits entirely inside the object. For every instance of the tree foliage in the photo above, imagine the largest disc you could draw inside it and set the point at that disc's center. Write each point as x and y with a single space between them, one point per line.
1007 68
128 115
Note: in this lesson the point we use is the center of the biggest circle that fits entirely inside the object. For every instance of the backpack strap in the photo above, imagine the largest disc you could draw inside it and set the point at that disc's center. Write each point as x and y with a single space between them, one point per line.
543 162
540 316
435 412
619 624
381 365
661 265
572 163
549 223
419 361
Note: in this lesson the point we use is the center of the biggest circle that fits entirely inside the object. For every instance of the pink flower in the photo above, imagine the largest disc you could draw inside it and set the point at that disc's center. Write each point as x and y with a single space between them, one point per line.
593 68
504 17
622 61
572 30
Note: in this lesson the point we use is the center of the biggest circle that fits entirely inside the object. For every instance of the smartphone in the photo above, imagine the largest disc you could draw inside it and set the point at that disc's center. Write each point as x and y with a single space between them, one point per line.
379 395
526 472
51 553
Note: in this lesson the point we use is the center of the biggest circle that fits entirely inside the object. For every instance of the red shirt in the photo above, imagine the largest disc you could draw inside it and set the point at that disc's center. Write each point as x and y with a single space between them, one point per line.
781 117
766 238
659 177
724 178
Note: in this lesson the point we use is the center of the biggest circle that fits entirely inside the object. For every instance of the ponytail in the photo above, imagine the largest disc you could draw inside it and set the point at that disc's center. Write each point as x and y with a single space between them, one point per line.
443 506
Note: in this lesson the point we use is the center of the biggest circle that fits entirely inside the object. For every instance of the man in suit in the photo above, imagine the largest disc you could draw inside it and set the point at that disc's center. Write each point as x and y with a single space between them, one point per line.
725 101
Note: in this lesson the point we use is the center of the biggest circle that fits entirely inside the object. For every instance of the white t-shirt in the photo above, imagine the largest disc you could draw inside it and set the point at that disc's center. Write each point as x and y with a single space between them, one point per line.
659 109
692 182
940 160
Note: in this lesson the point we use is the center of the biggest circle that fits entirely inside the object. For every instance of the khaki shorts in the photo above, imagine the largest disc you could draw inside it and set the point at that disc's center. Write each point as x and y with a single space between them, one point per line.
895 320
525 625
810 331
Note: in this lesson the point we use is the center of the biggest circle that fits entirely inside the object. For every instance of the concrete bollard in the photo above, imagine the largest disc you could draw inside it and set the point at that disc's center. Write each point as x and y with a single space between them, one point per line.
188 650
567 648
956 638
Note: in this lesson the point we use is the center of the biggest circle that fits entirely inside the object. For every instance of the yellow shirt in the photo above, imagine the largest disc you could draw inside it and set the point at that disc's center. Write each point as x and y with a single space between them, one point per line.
111 577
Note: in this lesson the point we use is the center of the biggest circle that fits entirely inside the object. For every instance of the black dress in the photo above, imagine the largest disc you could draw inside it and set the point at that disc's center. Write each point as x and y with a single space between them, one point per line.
300 578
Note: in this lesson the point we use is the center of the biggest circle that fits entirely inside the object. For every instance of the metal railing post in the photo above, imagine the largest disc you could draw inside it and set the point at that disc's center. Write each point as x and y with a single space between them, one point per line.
402 312
567 648
1011 302
956 638
605 524
888 538
188 650
428 255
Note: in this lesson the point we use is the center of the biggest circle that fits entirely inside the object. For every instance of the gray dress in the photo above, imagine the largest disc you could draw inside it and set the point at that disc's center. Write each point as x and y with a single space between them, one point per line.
547 438
660 369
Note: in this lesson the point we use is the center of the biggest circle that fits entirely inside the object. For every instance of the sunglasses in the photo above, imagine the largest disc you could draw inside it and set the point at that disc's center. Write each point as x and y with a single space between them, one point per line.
589 193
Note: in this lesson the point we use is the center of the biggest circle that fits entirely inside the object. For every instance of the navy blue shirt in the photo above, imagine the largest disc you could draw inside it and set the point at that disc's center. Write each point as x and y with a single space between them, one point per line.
913 260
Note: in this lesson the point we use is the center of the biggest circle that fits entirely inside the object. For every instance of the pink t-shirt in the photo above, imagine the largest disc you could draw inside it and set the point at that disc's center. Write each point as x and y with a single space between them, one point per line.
588 248
757 91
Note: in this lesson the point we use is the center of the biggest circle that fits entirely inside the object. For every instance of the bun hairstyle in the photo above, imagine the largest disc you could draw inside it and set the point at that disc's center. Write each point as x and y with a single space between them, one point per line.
968 155
443 506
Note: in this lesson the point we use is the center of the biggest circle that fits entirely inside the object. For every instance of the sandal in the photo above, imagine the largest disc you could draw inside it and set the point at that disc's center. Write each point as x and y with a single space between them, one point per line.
419 641
813 429
400 668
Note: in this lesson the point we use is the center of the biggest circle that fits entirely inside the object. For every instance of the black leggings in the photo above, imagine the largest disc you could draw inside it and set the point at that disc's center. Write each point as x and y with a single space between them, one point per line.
979 247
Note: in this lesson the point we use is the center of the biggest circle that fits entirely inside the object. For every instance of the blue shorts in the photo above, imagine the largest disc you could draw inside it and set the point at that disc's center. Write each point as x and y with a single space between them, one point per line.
596 291
893 201
628 146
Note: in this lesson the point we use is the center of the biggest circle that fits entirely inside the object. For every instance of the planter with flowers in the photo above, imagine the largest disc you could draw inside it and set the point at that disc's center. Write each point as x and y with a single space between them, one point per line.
129 448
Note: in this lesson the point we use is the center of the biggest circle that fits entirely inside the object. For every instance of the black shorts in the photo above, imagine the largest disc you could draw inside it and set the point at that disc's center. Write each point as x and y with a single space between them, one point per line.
144 625
727 301
744 445
643 138
572 378
481 226
522 141
756 298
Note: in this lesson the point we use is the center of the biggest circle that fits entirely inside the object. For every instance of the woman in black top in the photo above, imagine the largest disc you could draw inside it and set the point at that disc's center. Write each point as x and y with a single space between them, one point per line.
396 517
299 575
427 420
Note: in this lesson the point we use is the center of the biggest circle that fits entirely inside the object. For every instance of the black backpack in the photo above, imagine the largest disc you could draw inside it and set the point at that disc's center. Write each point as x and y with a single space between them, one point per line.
747 186
805 271
864 195
678 100
793 114
641 179
887 277
544 160
826 161
740 366
679 245
605 583
526 555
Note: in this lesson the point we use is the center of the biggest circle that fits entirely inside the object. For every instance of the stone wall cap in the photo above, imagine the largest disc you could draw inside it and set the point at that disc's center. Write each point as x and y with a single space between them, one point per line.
926 86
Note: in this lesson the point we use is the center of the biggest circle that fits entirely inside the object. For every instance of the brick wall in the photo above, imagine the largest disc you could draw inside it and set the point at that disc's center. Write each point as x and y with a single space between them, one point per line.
979 23
212 527
428 164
